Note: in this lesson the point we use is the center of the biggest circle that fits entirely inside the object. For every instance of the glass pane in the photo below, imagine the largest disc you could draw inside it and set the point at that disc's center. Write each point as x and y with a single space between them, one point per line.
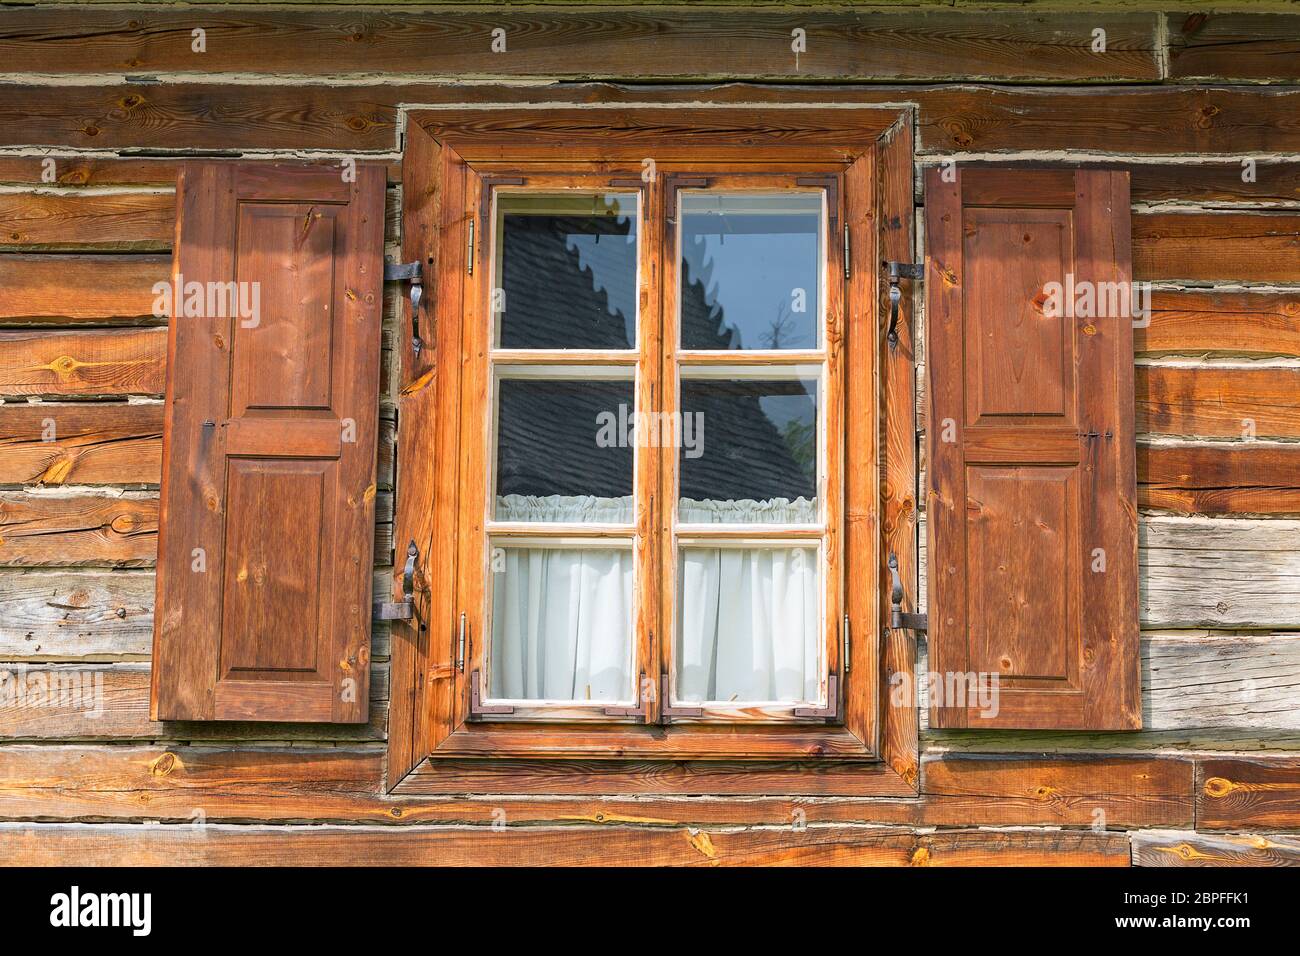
563 453
562 624
747 627
748 451
751 270
566 267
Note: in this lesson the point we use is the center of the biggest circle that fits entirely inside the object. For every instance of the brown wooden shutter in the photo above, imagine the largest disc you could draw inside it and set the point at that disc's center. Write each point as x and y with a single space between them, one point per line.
268 488
1031 457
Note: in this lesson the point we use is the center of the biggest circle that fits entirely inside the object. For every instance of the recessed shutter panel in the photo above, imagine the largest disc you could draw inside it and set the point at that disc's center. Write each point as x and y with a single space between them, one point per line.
268 487
1032 515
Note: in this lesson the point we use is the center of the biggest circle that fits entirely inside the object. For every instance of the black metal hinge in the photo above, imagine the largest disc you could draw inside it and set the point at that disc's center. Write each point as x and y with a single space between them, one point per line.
409 272
897 617
401 610
898 271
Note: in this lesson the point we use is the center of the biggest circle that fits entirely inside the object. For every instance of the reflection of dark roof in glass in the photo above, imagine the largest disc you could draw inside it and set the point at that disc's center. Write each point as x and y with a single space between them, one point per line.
546 441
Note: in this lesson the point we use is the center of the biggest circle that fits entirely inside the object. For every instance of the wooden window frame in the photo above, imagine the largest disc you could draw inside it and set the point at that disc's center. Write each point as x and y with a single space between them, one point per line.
447 158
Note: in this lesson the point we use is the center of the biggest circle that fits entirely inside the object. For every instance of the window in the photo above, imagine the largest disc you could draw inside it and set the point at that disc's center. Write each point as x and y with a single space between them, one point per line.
636 392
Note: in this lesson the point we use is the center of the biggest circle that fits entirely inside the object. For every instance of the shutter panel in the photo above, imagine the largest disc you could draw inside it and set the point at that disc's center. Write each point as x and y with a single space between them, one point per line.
268 488
1031 456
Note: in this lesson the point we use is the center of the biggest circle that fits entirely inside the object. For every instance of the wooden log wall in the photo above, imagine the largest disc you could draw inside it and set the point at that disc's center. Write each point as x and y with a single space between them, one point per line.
99 103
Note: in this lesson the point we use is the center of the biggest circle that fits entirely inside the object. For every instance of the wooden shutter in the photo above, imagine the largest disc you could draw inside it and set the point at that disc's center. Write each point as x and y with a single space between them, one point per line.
268 487
1032 490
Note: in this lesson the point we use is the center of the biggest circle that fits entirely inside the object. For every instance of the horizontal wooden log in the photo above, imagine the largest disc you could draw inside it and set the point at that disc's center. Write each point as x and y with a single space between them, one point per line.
1223 478
747 44
350 119
1208 572
1224 572
1238 46
1228 681
100 615
40 530
171 784
223 844
87 171
64 530
86 615
1218 246
1233 793
87 443
111 702
1175 179
76 289
1185 848
129 221
98 362
1248 323
106 171
1213 401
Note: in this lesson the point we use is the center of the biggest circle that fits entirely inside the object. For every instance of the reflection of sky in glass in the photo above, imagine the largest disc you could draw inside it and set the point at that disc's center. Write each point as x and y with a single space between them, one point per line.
612 261
752 252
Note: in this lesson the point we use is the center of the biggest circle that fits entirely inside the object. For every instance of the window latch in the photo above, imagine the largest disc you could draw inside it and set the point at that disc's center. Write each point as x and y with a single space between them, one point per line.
409 272
897 617
897 272
403 610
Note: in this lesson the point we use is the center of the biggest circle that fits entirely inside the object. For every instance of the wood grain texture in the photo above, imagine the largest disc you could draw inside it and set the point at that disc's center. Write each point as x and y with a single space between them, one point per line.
130 221
1215 479
350 119
750 44
1220 246
67 530
75 289
1203 322
217 844
1240 46
90 443
1185 848
101 362
1225 572
56 783
1214 401
88 615
1238 794
1227 681
110 702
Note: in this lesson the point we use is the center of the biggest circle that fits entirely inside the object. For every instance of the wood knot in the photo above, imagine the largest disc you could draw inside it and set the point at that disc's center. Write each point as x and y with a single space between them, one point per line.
163 765
124 524
920 857
1219 787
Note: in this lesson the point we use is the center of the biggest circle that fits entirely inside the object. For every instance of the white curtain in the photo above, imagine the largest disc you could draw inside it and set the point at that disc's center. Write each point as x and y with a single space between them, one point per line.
747 617
562 617
747 624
